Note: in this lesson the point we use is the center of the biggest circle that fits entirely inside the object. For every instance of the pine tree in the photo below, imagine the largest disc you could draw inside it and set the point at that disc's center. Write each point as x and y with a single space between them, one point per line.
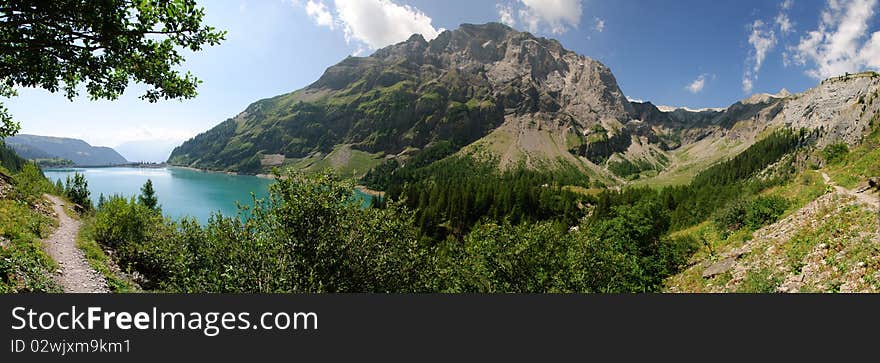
148 196
77 190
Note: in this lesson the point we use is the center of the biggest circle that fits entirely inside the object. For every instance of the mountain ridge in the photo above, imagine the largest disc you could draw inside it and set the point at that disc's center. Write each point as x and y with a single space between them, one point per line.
505 97
78 151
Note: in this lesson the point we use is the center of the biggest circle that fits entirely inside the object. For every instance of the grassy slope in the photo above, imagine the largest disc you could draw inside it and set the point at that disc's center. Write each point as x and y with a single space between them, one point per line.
825 242
344 160
861 163
24 266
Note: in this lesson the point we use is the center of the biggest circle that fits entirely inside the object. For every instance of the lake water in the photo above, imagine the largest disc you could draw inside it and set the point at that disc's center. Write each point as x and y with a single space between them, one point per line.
181 192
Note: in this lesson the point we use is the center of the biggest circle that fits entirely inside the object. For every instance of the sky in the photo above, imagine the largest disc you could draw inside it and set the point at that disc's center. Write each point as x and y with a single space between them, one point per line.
677 53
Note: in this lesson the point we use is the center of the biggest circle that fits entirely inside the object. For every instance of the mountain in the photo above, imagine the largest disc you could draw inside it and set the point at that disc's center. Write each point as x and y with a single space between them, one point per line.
75 150
460 87
151 151
509 98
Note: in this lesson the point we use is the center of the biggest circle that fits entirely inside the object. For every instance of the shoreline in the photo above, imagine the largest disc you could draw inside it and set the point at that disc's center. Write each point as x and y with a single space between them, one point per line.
360 188
169 166
370 192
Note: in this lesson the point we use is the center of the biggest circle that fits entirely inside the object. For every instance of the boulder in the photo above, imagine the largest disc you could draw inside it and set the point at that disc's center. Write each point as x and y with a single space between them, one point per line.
719 268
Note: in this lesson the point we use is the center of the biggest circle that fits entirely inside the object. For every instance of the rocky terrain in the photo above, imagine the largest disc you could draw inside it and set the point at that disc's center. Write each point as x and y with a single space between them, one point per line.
828 245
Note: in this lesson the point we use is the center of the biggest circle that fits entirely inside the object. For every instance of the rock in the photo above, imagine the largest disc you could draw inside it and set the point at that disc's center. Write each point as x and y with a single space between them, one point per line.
719 268
736 252
874 183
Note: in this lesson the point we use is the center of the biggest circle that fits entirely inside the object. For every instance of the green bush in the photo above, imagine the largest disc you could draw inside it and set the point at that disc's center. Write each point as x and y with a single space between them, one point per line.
835 153
507 258
77 190
121 221
31 183
761 281
750 213
24 267
765 210
733 216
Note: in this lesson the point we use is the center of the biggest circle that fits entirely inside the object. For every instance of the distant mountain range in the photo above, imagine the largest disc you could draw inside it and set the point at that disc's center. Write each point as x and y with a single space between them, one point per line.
78 151
513 99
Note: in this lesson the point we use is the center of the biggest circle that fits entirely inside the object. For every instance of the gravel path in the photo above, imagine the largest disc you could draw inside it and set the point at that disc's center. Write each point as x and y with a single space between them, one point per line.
861 197
76 276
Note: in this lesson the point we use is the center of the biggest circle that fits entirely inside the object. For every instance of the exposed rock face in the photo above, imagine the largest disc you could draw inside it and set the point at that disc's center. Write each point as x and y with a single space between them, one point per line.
842 107
518 72
458 87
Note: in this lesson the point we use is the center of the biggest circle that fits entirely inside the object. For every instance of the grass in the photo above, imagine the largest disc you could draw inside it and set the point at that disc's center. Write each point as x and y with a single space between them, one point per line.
24 266
713 242
760 281
99 261
344 160
803 189
860 163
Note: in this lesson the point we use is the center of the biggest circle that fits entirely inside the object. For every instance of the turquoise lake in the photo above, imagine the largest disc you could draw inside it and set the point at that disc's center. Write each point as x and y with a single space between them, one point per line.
181 192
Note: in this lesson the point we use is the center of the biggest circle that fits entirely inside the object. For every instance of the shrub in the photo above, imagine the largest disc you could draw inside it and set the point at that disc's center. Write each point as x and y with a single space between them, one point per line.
122 221
750 213
733 216
835 153
77 190
765 210
31 183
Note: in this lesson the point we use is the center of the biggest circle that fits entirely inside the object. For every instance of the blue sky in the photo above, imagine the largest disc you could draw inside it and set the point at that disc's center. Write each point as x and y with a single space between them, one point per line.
680 53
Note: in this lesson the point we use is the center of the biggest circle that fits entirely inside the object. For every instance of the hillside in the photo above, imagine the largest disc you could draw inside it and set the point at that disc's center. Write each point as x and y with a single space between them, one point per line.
34 147
826 241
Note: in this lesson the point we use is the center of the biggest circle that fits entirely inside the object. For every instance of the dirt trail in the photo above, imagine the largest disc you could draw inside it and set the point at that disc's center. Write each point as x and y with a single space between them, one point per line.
76 275
863 197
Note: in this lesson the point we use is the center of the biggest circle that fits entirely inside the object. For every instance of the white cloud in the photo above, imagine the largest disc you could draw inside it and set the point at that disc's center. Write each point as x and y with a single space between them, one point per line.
554 16
600 25
871 52
784 23
372 24
698 84
505 14
319 14
762 40
842 43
